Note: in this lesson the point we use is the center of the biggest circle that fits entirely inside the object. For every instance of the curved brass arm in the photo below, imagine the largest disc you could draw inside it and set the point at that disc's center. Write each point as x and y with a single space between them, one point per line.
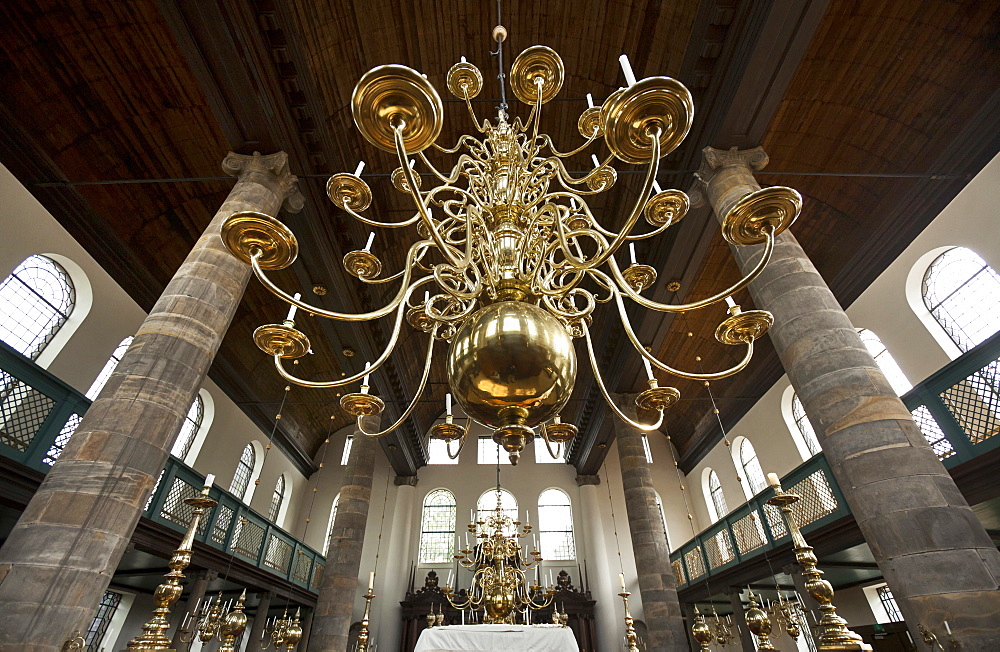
604 390
461 442
404 289
566 179
547 141
416 396
545 438
370 222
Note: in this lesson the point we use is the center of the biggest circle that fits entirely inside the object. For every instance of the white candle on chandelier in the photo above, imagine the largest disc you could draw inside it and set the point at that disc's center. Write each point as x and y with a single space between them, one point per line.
292 308
447 404
371 580
463 59
209 480
364 381
627 69
371 239
451 576
427 296
359 169
527 517
467 541
593 157
947 628
590 101
772 479
413 162
631 251
649 368
621 578
657 188
730 302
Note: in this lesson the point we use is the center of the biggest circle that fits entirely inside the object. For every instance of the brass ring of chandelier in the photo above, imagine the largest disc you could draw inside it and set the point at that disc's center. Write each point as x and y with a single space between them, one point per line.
394 96
248 232
657 399
589 123
629 116
349 190
537 62
464 80
747 222
667 207
744 327
281 340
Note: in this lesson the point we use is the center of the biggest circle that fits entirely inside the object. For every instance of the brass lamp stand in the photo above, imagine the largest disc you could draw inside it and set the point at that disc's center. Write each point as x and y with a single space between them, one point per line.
631 638
153 632
835 635
363 634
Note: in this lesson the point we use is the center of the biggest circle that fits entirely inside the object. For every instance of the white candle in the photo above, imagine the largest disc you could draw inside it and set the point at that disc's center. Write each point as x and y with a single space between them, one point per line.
364 381
451 576
593 157
648 366
627 69
413 162
656 187
292 308
590 101
527 517
447 404
427 296
209 481
909 638
621 576
463 59
534 542
371 580
463 610
772 479
361 166
467 541
551 581
947 628
730 302
371 239
631 251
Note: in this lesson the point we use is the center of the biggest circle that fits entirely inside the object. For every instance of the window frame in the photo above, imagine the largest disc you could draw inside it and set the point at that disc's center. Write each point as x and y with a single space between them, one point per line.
543 520
947 334
710 478
276 510
426 556
44 333
249 466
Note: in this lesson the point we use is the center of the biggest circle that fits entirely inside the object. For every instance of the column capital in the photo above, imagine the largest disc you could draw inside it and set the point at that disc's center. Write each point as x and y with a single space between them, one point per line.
582 480
238 165
713 160
209 575
405 480
730 591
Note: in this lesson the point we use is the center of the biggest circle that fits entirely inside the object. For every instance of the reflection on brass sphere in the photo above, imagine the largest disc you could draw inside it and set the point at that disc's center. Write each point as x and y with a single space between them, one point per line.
512 363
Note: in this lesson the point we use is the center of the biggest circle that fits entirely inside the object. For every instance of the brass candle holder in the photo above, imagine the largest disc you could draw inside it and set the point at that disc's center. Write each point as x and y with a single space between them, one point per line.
701 631
631 638
759 624
232 625
363 634
153 635
285 633
834 634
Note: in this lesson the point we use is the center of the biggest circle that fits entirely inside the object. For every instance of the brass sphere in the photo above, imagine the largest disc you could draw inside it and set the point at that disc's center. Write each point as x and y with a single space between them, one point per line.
512 363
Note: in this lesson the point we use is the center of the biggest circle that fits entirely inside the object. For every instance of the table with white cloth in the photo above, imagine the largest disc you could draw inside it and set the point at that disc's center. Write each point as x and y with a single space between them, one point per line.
497 638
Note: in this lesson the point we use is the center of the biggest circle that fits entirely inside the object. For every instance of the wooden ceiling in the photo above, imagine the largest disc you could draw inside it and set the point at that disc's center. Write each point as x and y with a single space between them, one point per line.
117 116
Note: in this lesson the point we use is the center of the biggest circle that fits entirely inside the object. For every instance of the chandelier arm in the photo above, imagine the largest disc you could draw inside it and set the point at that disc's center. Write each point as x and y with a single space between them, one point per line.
446 250
404 289
416 396
624 287
567 180
472 113
547 141
545 437
455 170
647 186
370 222
537 108
458 145
647 427
718 375
461 442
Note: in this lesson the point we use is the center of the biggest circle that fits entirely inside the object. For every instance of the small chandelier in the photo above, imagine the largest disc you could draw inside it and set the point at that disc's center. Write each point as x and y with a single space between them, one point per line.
508 263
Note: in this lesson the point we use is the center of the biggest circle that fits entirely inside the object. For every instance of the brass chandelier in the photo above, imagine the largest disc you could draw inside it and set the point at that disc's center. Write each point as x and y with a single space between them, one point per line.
508 262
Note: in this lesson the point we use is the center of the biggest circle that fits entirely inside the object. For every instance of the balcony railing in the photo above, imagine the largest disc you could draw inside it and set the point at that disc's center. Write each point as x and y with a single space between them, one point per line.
958 411
38 415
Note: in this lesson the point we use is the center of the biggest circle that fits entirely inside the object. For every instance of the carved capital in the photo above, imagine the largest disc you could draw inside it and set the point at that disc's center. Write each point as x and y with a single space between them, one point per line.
276 165
582 480
714 160
405 480
210 575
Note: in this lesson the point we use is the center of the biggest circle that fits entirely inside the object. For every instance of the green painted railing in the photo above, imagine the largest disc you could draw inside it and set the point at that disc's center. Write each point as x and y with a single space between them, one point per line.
38 415
957 409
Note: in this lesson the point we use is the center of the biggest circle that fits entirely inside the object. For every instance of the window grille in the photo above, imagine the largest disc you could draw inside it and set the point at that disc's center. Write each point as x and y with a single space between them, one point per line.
804 426
99 626
329 526
192 423
555 525
109 368
277 498
241 479
885 362
437 452
889 604
718 499
437 528
347 450
962 292
56 449
752 472
35 301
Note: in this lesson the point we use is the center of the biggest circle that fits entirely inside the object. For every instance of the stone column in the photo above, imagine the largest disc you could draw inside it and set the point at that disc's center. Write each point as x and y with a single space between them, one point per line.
660 606
609 628
740 619
931 549
395 576
306 623
259 620
335 602
198 588
59 558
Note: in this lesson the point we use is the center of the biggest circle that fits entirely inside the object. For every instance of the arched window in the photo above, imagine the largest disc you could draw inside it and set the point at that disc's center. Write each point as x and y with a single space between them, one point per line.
714 497
487 504
347 450
35 301
804 426
555 525
885 362
962 293
109 368
241 479
663 518
277 500
329 526
646 450
192 422
752 472
437 528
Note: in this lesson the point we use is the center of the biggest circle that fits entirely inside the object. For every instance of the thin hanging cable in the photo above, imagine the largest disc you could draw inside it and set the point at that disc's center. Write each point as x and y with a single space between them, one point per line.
501 76
614 524
378 547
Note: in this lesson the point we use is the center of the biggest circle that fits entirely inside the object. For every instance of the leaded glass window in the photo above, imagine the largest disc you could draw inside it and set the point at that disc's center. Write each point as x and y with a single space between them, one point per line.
277 498
99 626
663 516
717 498
437 452
804 426
192 422
487 504
244 469
885 362
752 472
437 528
329 526
889 604
555 525
109 368
962 292
35 301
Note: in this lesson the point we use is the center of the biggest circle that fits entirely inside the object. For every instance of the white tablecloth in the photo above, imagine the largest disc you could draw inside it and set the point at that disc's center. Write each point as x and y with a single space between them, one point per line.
497 638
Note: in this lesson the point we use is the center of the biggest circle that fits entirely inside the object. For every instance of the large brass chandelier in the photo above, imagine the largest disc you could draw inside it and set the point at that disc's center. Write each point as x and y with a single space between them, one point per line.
508 262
